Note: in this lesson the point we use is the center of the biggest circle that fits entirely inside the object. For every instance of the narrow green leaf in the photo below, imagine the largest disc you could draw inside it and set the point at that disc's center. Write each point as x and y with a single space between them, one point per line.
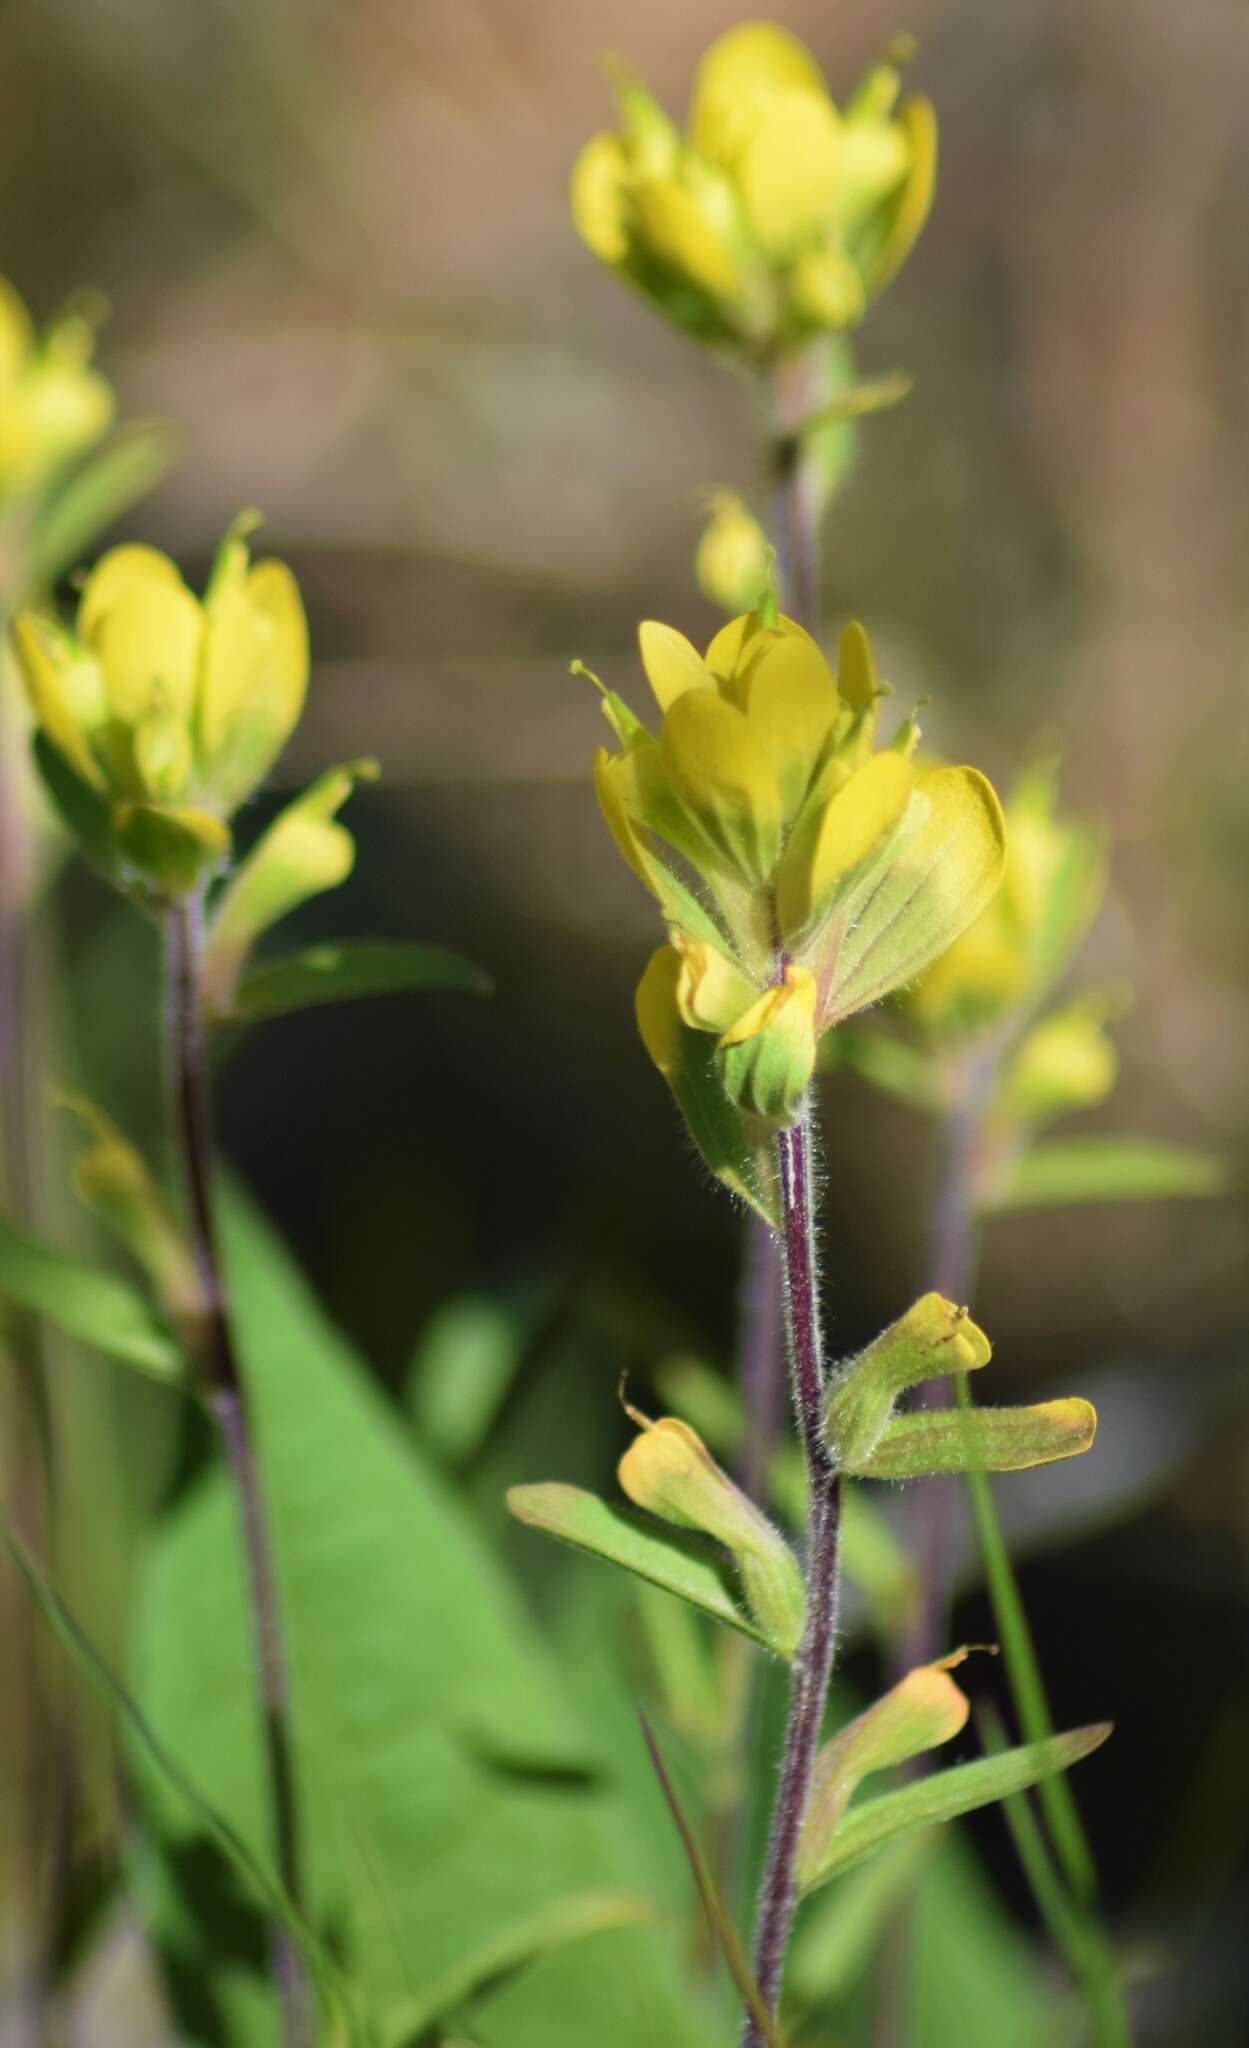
113 479
258 1881
836 1939
1104 1170
718 1127
679 1564
466 1360
947 1794
551 1925
343 974
888 1063
980 1440
86 1302
877 394
719 1919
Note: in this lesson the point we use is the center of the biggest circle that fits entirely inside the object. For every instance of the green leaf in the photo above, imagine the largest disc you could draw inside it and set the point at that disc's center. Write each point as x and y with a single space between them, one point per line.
115 477
342 974
888 1063
980 1440
467 1358
1104 1170
946 1794
933 1339
679 1564
718 1127
86 1302
446 1794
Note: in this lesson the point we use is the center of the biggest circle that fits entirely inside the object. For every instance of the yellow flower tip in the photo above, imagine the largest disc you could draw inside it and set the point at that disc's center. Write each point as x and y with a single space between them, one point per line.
666 1468
672 663
857 679
734 563
794 995
597 197
739 76
711 989
950 1330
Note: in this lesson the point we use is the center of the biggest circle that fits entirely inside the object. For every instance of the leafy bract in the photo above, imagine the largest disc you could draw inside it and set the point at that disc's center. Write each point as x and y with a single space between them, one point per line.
86 1302
980 1440
345 973
1103 1170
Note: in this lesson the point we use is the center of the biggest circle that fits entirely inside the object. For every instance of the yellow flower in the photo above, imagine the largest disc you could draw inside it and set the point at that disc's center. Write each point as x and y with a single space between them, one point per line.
732 559
829 872
53 405
160 712
777 214
1052 888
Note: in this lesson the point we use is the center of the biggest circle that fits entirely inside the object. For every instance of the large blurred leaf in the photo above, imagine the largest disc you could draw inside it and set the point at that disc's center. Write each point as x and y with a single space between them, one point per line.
1104 1170
448 1801
342 974
85 1301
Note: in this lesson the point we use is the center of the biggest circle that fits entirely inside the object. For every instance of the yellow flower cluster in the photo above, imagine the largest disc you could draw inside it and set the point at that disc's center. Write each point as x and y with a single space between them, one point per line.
53 405
776 215
160 712
826 873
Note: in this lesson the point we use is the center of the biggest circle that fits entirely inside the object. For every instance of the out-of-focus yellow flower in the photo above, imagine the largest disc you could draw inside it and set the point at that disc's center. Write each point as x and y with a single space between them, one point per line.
830 872
732 560
53 404
160 712
777 215
1053 886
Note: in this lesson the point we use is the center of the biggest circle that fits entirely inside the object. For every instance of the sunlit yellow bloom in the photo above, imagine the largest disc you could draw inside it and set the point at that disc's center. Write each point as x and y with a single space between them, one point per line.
777 214
825 873
160 711
53 405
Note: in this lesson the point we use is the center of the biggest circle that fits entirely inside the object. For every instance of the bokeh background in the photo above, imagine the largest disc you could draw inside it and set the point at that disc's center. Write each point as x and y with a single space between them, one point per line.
335 242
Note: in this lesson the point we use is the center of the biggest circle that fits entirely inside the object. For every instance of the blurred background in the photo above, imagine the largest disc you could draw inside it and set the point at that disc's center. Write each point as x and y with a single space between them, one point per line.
335 243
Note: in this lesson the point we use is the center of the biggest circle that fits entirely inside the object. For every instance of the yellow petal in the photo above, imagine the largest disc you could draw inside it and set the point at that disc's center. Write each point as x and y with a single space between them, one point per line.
790 173
738 77
687 226
791 704
251 730
162 755
857 679
672 663
148 644
655 1006
945 871
45 661
904 215
121 573
736 645
731 563
16 334
599 198
711 990
854 824
826 287
724 780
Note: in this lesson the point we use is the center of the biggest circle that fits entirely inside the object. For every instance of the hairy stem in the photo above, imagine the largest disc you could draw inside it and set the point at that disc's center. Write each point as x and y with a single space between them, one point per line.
814 1662
219 1372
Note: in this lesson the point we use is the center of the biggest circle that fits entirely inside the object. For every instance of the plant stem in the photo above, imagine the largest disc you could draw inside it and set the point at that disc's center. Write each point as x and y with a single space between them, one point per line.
219 1372
814 1662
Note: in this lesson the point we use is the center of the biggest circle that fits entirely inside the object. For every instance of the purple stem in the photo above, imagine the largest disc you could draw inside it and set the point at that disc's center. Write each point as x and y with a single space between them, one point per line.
222 1383
814 1662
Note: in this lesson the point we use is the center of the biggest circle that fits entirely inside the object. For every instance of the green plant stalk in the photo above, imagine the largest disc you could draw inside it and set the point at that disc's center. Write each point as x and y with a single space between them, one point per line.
222 1383
955 1258
814 1662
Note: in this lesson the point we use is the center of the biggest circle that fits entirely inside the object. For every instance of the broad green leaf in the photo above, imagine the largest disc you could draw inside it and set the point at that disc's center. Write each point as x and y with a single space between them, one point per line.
687 1061
980 1440
933 1339
945 1795
86 1302
446 1795
1104 1170
941 873
923 1710
679 1564
836 1939
344 973
253 1873
113 479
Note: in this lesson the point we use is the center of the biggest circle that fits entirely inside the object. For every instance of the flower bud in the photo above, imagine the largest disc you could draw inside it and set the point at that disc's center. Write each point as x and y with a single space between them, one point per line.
53 405
768 1055
733 555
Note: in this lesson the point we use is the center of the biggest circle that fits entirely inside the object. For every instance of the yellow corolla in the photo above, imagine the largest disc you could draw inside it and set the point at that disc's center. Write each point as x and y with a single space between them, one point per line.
802 873
160 712
777 214
53 404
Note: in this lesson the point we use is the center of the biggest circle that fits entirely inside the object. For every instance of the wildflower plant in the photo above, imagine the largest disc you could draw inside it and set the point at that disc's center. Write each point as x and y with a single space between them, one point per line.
805 866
